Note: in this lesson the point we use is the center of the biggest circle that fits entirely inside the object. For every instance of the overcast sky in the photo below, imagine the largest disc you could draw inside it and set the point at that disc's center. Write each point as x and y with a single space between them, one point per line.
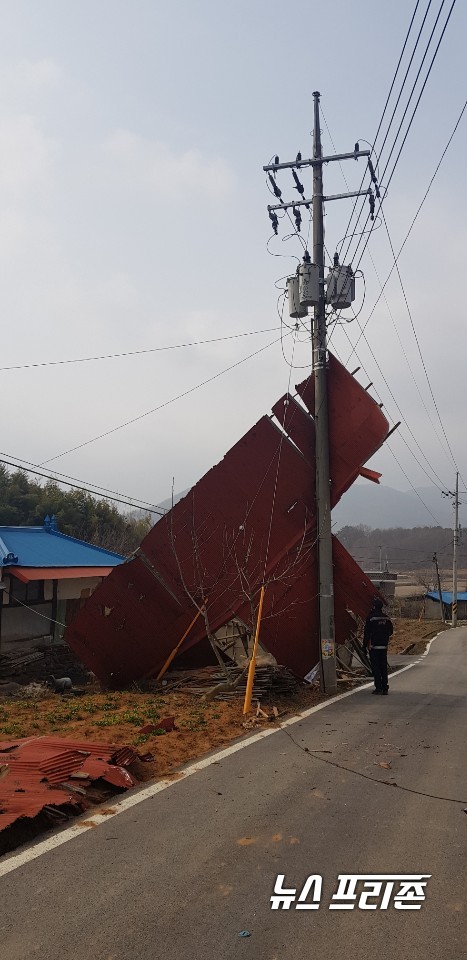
133 216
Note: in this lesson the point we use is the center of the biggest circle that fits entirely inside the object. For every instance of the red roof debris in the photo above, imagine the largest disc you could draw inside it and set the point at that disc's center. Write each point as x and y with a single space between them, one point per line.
47 773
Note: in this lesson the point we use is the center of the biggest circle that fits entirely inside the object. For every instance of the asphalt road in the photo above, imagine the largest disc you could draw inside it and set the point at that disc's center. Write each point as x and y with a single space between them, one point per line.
182 874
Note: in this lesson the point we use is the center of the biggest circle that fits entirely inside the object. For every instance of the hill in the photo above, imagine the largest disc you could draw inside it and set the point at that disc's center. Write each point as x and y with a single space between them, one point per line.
379 506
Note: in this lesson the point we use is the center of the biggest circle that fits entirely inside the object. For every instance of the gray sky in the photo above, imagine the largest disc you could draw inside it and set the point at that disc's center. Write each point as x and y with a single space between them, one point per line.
133 215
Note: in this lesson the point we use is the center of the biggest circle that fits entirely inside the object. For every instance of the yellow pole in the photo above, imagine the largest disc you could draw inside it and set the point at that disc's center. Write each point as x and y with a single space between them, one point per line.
177 648
252 667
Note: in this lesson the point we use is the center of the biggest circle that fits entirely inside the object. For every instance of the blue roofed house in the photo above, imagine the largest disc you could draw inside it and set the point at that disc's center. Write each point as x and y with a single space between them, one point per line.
432 605
45 576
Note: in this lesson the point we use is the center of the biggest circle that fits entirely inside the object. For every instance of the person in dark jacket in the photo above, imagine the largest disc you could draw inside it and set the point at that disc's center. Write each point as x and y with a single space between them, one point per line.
378 630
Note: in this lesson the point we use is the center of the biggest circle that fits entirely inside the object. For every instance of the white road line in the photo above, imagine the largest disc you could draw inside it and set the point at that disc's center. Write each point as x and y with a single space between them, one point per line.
90 820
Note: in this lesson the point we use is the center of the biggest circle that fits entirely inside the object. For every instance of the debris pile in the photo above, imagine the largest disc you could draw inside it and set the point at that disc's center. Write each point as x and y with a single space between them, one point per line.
270 681
37 664
47 775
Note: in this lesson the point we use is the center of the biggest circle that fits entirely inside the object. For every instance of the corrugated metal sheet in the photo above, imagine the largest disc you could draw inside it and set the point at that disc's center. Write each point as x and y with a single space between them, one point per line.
39 772
219 542
446 596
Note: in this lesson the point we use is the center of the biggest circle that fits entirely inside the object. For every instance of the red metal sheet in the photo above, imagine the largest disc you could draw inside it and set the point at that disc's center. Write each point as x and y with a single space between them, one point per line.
357 425
298 424
250 518
34 771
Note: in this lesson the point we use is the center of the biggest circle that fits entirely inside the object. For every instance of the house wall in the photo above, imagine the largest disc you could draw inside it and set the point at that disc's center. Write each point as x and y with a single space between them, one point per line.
432 610
25 624
72 589
22 623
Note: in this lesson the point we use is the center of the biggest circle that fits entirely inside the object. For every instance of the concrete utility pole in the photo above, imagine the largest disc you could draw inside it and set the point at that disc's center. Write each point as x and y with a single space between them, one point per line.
455 500
323 493
435 561
454 553
323 483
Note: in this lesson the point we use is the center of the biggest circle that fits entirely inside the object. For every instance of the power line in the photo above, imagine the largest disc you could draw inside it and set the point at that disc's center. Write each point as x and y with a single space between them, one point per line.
99 491
418 342
46 476
397 256
386 187
421 91
438 523
134 353
160 406
413 223
400 413
395 267
394 322
383 115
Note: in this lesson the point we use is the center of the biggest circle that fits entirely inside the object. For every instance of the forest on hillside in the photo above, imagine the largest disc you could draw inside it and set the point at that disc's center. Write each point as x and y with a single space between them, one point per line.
403 549
25 502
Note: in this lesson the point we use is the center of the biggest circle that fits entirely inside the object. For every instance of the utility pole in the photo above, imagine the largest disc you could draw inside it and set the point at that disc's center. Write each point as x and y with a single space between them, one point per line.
435 561
455 502
323 483
340 298
454 553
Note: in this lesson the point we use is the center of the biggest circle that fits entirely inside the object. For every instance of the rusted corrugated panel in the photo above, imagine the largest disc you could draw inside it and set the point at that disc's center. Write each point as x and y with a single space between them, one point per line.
357 425
34 768
251 518
125 631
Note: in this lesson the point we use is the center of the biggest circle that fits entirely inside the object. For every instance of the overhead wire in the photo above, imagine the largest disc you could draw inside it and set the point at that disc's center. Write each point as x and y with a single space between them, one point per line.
386 185
134 353
67 483
405 355
419 208
98 490
417 341
382 118
161 406
409 448
395 267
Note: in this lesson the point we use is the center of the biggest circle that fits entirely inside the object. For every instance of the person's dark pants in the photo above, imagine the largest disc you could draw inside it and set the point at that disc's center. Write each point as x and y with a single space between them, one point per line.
379 666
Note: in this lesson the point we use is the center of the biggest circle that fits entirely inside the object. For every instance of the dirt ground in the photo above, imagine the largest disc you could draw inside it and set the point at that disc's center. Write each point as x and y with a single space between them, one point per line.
418 632
200 726
117 718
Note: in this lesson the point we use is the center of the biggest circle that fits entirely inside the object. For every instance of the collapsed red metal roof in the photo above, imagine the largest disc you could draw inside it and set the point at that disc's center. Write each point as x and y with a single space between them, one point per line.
250 519
46 772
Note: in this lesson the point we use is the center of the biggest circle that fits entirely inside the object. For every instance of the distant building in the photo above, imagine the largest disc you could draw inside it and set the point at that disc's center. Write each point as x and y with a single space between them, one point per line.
45 577
432 605
384 581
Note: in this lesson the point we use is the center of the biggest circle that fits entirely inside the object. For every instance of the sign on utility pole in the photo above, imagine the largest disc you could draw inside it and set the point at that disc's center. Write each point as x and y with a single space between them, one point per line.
308 288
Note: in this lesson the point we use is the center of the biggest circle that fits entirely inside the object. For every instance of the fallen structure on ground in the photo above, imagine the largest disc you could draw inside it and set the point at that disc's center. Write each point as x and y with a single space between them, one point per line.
53 776
250 520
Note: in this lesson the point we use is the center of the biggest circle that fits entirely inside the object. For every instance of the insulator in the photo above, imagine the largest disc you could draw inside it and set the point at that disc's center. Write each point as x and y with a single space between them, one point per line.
276 190
274 220
298 186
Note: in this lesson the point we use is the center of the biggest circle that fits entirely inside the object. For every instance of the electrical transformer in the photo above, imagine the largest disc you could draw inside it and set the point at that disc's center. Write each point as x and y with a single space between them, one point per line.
296 310
308 284
340 287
